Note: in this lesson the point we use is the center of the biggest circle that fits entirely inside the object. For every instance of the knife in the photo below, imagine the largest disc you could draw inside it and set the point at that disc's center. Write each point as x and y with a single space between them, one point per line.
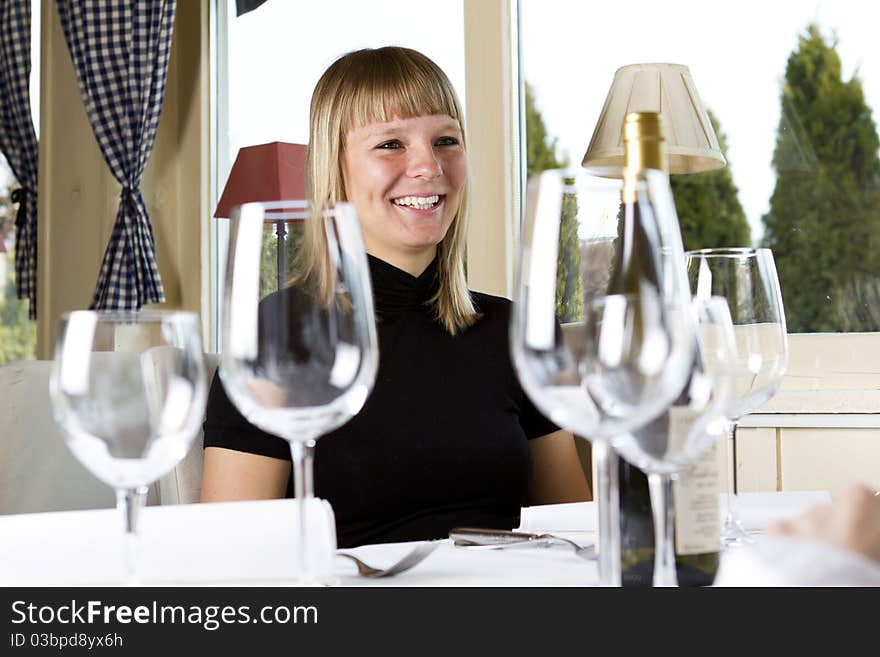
500 538
466 536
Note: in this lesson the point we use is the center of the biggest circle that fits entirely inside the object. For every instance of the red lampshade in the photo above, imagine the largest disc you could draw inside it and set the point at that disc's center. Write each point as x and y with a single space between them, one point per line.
268 172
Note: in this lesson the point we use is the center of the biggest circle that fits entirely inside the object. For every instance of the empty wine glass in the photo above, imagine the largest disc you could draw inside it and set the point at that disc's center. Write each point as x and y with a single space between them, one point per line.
128 391
300 362
747 279
571 259
688 428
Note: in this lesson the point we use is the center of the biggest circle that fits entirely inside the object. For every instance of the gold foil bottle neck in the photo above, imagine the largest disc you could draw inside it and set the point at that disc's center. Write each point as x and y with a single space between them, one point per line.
644 146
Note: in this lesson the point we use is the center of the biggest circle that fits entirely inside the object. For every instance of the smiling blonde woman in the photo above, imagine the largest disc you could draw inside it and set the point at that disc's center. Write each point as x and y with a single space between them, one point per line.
447 437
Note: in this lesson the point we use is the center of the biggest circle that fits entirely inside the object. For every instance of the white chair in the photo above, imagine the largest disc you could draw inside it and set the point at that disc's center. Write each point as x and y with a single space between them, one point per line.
183 484
37 470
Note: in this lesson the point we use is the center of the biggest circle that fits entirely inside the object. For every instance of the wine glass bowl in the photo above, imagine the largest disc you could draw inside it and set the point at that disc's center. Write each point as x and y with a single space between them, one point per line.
697 418
631 360
557 343
128 391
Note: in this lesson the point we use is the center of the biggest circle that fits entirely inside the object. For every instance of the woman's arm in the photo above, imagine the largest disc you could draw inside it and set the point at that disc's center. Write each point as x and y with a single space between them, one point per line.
230 475
557 476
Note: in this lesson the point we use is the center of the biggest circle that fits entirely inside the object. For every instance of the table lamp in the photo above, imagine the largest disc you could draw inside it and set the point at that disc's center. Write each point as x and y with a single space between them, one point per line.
267 172
669 89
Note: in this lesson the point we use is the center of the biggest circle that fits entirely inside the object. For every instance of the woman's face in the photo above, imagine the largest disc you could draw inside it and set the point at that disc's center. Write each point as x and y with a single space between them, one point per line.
405 179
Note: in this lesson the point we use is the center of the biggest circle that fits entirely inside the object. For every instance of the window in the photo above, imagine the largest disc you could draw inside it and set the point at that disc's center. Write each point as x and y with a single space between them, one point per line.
269 60
18 334
796 94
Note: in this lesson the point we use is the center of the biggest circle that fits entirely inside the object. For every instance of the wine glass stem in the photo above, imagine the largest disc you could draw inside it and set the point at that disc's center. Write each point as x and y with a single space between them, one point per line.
130 501
730 517
302 454
660 486
608 509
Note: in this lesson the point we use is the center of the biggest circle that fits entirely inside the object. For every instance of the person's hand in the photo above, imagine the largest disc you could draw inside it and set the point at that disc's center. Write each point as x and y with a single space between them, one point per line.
851 522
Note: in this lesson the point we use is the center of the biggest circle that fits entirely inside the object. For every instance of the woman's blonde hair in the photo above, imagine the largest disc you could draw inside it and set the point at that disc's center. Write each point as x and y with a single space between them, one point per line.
378 85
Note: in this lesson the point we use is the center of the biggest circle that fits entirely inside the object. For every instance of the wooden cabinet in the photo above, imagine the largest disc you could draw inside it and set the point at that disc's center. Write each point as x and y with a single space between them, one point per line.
807 458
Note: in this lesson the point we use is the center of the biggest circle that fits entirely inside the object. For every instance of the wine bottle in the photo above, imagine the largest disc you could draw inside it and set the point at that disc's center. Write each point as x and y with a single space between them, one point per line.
637 264
697 522
643 143
697 528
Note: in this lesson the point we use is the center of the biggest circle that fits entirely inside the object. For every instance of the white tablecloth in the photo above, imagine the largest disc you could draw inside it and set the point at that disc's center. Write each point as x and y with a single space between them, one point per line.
251 543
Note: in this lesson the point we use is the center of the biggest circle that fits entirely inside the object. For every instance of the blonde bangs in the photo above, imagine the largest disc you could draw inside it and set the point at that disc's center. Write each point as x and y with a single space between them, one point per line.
399 86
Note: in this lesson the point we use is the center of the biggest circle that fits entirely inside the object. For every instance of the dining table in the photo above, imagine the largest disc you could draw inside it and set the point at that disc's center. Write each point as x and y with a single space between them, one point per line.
250 543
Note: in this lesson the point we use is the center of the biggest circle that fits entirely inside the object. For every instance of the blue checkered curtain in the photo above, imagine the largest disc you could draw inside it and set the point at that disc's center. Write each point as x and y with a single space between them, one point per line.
119 50
18 141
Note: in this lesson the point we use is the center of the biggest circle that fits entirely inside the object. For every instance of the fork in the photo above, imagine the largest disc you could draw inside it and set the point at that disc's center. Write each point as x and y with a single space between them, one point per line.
471 537
412 558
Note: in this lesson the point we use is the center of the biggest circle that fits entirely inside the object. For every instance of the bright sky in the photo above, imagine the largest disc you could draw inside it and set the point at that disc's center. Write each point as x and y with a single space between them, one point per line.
278 52
736 51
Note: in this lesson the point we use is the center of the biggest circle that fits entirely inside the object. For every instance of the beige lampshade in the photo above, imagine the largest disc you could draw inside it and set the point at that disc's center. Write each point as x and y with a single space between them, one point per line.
665 88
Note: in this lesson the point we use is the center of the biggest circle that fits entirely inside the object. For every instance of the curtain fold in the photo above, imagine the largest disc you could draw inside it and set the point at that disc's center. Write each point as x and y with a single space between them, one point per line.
120 50
18 140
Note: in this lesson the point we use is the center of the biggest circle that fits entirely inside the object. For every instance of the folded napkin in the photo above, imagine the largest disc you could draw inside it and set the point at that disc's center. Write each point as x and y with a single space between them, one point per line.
572 517
225 542
786 561
757 511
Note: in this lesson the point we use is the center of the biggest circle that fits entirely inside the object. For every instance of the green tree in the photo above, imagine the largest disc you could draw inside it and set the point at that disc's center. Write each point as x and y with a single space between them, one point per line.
709 211
540 148
18 334
269 255
6 213
540 156
824 216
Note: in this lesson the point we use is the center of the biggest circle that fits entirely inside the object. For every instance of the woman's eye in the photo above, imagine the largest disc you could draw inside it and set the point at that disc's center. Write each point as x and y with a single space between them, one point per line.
447 141
390 144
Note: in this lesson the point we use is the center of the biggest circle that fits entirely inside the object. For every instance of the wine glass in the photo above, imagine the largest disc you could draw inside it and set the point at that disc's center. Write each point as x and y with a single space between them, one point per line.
572 258
128 390
301 361
688 428
747 278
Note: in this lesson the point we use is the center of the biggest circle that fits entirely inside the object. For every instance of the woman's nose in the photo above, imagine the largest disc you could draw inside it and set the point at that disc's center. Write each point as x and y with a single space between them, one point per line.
424 162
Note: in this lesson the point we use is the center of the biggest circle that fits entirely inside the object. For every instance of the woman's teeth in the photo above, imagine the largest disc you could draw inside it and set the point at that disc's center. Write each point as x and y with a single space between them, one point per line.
418 202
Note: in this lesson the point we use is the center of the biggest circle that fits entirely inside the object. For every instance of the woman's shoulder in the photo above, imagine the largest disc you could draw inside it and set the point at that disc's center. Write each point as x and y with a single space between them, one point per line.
491 308
289 297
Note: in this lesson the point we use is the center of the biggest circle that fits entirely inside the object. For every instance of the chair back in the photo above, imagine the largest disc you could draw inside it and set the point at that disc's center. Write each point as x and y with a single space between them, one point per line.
37 470
183 485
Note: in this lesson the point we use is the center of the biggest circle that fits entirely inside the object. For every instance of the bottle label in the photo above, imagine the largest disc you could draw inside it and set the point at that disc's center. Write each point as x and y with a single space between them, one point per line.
695 495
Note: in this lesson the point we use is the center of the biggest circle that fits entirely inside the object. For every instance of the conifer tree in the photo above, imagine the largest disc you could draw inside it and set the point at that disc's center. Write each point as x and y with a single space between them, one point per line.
709 211
540 156
824 217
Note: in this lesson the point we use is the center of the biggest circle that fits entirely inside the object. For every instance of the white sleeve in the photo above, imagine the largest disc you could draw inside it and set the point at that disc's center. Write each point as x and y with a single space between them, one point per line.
779 561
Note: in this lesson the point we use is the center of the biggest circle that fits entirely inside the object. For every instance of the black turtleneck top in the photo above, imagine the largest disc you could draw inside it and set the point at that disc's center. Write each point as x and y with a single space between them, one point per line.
442 440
